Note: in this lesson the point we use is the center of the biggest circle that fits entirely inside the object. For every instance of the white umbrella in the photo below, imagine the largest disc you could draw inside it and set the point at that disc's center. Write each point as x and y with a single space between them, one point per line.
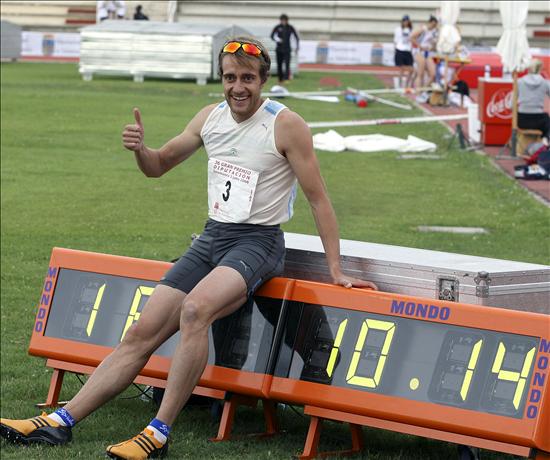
513 48
449 37
171 10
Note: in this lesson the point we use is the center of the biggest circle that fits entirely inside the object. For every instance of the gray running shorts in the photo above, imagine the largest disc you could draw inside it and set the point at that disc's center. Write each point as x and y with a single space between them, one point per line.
257 252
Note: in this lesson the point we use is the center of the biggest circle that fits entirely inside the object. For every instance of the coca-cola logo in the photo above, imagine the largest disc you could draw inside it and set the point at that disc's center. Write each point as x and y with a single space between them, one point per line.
500 105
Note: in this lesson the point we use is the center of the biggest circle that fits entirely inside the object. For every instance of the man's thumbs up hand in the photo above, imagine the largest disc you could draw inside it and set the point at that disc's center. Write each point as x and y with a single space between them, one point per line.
132 136
137 116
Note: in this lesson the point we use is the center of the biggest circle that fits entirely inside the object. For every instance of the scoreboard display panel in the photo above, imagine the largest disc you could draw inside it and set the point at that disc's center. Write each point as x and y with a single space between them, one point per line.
484 371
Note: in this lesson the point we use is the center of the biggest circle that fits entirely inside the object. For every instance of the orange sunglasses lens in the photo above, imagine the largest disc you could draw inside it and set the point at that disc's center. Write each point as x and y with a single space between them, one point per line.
248 48
231 47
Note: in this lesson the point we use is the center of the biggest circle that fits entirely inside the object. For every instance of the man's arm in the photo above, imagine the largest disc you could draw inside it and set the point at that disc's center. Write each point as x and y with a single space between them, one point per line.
414 37
156 162
293 31
275 34
293 139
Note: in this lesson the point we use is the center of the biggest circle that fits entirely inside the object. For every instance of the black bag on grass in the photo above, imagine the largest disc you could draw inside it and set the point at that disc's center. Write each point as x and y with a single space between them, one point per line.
539 170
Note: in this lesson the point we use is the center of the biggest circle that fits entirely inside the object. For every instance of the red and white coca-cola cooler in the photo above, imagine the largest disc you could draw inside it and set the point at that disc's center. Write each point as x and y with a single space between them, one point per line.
495 110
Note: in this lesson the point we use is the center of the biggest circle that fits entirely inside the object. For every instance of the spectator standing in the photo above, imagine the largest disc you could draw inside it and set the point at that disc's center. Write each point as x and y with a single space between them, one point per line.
102 13
403 51
282 34
111 9
424 40
120 9
139 16
116 9
532 89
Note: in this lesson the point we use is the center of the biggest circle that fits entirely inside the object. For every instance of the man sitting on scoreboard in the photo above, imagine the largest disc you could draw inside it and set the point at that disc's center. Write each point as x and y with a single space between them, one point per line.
241 246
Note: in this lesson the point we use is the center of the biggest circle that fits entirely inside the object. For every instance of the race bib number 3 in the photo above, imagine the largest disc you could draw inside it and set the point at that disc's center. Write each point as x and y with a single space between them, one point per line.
231 190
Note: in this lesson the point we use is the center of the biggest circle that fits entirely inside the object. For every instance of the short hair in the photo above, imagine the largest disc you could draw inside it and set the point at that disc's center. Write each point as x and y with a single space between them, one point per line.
432 19
535 66
246 59
283 17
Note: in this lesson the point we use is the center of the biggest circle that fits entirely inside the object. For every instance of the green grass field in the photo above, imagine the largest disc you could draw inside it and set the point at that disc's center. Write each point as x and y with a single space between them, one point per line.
67 181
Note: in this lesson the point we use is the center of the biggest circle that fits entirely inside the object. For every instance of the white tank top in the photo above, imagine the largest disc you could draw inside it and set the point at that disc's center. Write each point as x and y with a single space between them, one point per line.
427 39
249 181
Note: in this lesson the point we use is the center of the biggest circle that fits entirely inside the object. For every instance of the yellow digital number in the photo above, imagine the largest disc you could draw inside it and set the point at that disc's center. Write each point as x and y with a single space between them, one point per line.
470 371
95 310
335 347
370 324
134 314
511 376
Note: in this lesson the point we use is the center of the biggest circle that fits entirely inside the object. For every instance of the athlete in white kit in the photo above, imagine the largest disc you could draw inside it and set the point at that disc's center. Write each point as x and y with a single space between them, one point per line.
258 150
424 41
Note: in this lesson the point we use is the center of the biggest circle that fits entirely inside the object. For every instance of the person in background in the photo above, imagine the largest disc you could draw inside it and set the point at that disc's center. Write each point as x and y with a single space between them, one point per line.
111 9
403 54
139 16
116 9
532 89
281 34
101 9
120 8
424 40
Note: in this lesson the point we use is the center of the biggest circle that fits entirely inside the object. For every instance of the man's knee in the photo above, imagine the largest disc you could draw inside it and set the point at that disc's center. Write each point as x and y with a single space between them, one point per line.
139 334
192 313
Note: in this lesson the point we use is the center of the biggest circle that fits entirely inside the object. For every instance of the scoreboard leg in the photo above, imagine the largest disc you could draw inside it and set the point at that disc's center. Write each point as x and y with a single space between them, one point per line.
311 446
228 416
270 416
55 389
312 441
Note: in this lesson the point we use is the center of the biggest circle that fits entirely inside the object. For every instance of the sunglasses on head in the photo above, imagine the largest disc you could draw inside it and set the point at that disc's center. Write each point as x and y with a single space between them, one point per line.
248 48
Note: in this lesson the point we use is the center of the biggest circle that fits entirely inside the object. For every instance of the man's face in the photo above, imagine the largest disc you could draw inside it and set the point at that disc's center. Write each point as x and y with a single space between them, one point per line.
242 87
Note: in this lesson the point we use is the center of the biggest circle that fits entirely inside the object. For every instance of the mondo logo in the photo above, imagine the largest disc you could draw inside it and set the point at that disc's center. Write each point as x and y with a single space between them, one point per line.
500 105
45 299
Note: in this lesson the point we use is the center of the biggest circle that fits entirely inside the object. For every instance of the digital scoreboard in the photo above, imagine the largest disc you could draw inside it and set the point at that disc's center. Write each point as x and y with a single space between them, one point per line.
461 369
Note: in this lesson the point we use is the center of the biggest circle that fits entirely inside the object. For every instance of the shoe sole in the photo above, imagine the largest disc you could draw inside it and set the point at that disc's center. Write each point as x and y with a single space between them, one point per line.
39 436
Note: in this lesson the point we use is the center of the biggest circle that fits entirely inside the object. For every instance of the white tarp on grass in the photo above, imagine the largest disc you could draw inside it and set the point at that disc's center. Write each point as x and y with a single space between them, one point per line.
331 141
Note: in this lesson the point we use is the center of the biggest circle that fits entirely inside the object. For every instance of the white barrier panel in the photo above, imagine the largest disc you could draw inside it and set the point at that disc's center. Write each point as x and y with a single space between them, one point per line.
50 44
44 44
346 53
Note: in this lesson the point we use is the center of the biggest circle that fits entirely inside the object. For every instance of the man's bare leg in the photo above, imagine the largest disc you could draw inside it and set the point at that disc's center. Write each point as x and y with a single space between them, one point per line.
160 320
219 294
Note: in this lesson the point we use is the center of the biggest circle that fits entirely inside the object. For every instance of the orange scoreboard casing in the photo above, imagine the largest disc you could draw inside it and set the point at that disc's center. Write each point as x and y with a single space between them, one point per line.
400 361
